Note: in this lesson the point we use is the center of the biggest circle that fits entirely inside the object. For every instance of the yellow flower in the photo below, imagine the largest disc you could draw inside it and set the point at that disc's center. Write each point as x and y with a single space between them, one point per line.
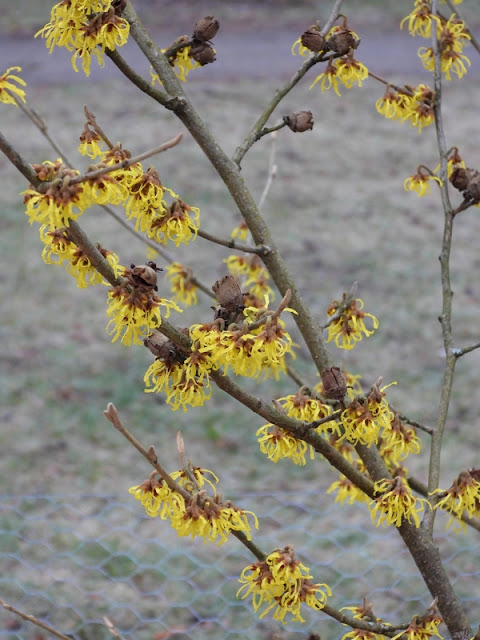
58 246
86 28
462 498
347 491
8 90
297 47
420 20
241 232
451 61
85 273
419 110
182 64
185 379
182 285
175 224
145 199
420 182
350 71
135 309
349 327
196 514
282 583
158 499
395 105
328 79
396 503
422 627
398 441
63 201
212 519
276 443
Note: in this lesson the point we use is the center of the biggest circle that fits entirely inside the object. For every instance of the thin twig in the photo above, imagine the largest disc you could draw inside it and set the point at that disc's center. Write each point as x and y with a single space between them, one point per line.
458 353
414 423
266 130
113 630
33 620
92 121
91 175
111 414
296 377
252 137
261 250
446 316
41 125
272 171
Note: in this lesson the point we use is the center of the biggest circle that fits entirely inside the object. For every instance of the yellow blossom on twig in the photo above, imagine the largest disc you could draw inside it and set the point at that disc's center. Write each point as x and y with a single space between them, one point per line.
8 90
348 326
396 503
282 583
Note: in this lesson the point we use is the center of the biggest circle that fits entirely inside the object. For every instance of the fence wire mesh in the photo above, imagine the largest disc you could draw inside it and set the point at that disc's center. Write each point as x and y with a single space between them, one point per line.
71 560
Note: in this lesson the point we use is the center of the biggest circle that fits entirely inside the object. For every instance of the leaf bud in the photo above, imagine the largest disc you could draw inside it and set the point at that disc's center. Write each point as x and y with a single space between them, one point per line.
312 39
203 53
299 121
206 29
334 383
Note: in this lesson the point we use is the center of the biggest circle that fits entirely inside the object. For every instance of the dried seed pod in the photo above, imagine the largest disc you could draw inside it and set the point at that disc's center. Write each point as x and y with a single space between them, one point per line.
313 40
203 53
228 293
299 121
119 6
473 188
145 275
206 29
334 383
342 41
460 178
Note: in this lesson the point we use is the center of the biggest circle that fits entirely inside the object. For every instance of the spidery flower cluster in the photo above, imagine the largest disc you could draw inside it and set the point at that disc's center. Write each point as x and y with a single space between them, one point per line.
281 584
193 512
87 28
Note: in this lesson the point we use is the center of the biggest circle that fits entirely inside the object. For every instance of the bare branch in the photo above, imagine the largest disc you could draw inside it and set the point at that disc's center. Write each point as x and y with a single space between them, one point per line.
262 250
33 620
458 353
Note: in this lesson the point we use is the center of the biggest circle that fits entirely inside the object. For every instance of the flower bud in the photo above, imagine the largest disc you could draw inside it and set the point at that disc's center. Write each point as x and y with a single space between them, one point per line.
299 121
342 41
313 40
206 29
334 383
202 53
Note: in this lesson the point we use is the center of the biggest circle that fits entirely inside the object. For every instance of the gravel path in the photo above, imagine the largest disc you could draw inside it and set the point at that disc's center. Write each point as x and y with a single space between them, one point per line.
265 55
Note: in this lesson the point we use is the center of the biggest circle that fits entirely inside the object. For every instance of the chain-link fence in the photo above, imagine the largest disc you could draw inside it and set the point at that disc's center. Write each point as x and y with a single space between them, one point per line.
71 560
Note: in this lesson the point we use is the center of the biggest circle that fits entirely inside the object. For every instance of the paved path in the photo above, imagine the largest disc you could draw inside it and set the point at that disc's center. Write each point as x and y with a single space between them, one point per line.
262 56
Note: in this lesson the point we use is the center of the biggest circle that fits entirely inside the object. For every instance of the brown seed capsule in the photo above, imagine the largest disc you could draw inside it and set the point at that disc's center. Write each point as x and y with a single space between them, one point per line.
473 188
203 53
334 383
206 29
228 293
313 40
341 41
461 177
119 6
144 275
299 121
